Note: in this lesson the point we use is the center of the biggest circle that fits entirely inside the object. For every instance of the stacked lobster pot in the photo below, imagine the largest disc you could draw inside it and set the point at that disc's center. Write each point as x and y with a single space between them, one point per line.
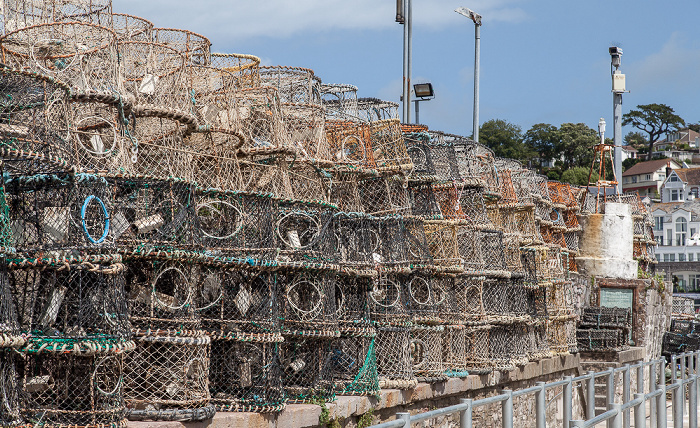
644 242
604 329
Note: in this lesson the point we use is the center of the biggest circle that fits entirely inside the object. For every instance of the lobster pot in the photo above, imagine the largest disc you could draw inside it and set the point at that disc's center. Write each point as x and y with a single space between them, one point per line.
571 338
244 69
65 389
477 161
34 127
357 240
354 363
518 297
10 329
386 299
509 199
245 376
601 340
257 114
492 251
394 363
304 232
525 186
478 359
534 261
352 304
60 214
561 195
511 252
308 304
423 202
82 55
166 378
382 196
304 124
374 109
266 174
557 336
403 242
536 299
469 248
213 158
194 47
503 347
237 304
20 14
339 101
571 221
450 154
152 213
236 224
349 143
420 154
388 146
442 239
10 415
572 241
426 352
308 368
554 261
160 296
454 350
154 75
78 310
445 160
448 197
211 91
127 27
542 349
308 182
98 139
523 221
426 296
464 302
295 84
159 159
495 215
560 299
496 292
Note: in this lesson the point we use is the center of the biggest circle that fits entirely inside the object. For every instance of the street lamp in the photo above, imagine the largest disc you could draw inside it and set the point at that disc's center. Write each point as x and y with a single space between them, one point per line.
477 41
425 92
618 88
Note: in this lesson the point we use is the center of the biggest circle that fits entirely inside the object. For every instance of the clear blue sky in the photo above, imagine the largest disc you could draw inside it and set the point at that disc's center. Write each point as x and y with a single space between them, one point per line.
542 61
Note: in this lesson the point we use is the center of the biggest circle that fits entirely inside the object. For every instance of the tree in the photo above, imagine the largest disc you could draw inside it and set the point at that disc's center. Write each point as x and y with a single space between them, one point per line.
629 163
636 139
542 138
576 144
694 126
579 176
654 119
505 139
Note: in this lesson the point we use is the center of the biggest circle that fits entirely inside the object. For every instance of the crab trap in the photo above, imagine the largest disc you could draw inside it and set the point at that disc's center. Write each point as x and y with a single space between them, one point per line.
344 191
476 161
394 362
304 125
245 69
388 147
339 101
160 151
167 378
20 14
478 354
77 310
381 196
10 415
237 224
469 249
257 113
493 252
160 296
386 300
421 156
127 27
60 215
304 233
246 376
10 329
602 339
194 47
295 84
213 163
504 347
464 302
153 214
423 202
357 241
604 317
426 296
308 366
349 144
34 125
61 390
403 243
454 350
427 352
211 91
354 364
307 306
352 305
442 237
237 304
374 109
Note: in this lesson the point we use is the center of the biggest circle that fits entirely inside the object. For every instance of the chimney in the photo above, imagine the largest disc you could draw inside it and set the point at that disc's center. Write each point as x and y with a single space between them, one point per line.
668 168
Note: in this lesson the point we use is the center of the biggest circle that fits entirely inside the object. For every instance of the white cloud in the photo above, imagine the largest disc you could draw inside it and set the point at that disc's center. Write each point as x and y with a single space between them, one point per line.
673 67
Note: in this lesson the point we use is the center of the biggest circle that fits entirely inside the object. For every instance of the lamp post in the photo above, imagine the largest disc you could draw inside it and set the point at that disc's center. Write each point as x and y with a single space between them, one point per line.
618 88
477 42
404 15
424 92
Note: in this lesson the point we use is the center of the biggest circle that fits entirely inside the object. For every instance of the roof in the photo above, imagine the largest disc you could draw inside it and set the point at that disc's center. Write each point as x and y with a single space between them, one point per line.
670 207
629 149
688 175
648 166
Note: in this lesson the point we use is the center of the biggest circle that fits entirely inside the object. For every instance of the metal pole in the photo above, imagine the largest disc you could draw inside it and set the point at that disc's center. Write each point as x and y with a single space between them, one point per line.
640 415
507 409
409 22
693 400
640 378
661 409
417 119
610 393
626 395
404 96
616 421
617 137
590 396
683 377
541 406
477 65
652 387
465 416
406 418
567 400
678 397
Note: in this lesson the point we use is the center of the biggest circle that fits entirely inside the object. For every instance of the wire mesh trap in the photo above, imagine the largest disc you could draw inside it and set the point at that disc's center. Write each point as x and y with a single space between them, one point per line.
246 377
388 147
72 390
60 215
245 69
349 143
308 369
426 296
604 317
23 13
194 47
307 307
354 364
357 240
602 339
352 305
82 55
454 350
304 124
386 300
304 232
478 354
383 196
427 352
34 124
295 84
167 378
10 399
394 363
257 113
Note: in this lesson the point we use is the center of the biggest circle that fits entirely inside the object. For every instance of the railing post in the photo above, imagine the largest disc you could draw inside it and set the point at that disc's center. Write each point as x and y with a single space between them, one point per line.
577 424
652 387
693 399
616 421
465 416
661 410
640 378
683 377
610 393
626 395
507 409
406 418
640 411
541 406
567 399
590 396
677 398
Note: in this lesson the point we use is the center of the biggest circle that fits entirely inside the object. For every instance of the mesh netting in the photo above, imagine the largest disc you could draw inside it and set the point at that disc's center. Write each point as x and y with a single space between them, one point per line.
427 352
161 150
426 296
339 101
167 378
10 328
357 240
194 47
127 27
72 390
388 147
307 369
210 156
420 154
464 301
349 143
10 384
211 91
386 300
304 125
354 362
60 214
34 127
493 251
80 54
245 376
295 85
477 349
394 357
601 339
244 68
504 349
469 248
352 305
382 196
403 242
374 109
304 232
24 13
454 350
442 239
308 305
477 161
257 113
423 202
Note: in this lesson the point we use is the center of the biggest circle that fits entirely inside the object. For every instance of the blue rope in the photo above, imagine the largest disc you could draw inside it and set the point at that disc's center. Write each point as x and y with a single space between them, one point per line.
82 218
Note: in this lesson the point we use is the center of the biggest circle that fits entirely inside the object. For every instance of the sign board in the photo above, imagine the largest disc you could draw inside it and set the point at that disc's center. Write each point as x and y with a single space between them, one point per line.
616 297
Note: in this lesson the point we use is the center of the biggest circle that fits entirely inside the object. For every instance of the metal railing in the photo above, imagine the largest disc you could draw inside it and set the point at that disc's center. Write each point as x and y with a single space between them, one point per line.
683 385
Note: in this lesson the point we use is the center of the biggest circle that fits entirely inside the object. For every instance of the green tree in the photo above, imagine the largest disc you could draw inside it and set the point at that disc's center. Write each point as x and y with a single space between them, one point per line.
505 139
694 126
629 163
542 139
579 176
636 139
654 119
576 144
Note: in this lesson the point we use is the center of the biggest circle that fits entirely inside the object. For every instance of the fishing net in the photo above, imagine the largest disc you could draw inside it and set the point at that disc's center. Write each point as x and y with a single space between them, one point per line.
245 376
72 390
245 69
308 305
304 125
495 298
374 109
266 173
427 352
34 126
469 248
60 215
511 252
464 304
167 378
448 197
601 339
153 214
307 369
257 114
354 363
558 336
211 91
295 84
357 241
237 224
194 47
82 55
426 296
386 300
304 232
383 196
212 160
503 347
394 362
604 317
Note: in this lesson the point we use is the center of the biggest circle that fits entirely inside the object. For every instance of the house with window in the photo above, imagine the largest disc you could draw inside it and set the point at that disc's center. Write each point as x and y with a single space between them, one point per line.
646 178
681 185
677 233
681 145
